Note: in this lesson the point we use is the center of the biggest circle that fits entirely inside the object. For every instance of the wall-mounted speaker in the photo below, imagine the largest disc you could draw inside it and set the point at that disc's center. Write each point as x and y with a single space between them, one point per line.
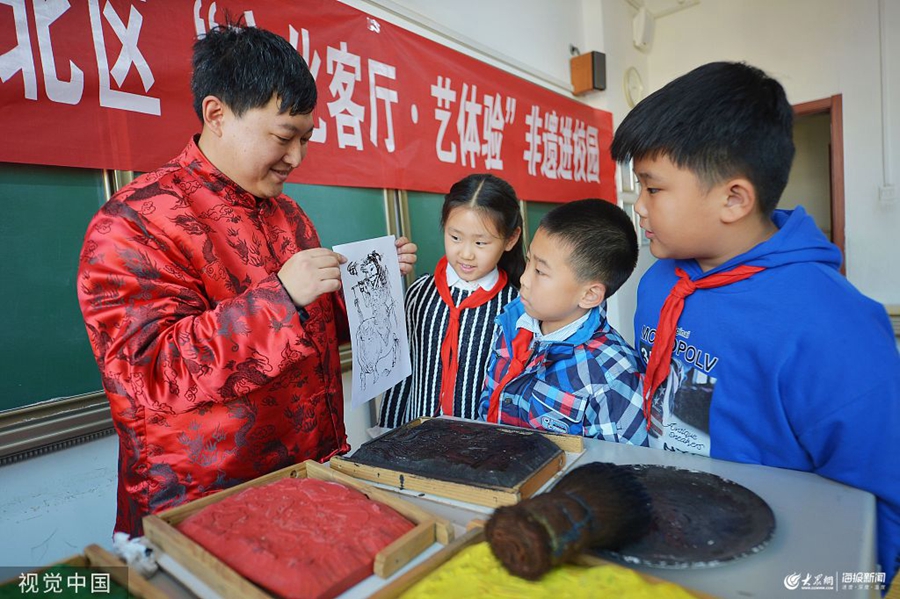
588 72
642 29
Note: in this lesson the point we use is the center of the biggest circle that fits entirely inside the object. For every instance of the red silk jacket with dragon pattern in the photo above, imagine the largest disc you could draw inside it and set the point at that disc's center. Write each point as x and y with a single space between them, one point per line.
213 376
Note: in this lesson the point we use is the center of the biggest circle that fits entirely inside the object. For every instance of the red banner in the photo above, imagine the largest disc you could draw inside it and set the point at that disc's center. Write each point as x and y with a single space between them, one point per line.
106 84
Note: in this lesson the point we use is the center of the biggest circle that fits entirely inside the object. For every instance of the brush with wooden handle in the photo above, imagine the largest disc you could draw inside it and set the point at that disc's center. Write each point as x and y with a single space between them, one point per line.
597 505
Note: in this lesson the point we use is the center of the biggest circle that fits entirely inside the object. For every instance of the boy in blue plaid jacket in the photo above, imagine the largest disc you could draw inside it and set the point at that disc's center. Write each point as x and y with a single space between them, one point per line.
556 363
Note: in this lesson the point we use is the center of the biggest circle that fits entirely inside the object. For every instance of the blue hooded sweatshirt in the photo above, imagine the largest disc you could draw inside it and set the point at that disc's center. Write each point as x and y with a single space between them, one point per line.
792 368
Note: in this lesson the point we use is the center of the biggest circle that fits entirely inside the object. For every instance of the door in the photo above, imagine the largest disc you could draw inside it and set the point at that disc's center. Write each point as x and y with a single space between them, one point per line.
817 176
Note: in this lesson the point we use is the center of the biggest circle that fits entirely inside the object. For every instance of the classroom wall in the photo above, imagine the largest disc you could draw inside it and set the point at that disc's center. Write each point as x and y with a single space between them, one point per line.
816 48
536 35
54 505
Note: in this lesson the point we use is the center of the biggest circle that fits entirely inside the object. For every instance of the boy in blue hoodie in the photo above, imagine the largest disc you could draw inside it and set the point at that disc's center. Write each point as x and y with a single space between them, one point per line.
556 363
758 350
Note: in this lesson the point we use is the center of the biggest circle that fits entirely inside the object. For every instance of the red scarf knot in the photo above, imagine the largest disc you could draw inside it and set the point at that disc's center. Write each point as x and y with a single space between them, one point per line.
518 360
661 354
450 343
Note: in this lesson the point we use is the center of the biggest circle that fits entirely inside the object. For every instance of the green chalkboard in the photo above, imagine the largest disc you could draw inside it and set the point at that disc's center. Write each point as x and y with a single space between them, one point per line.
534 212
425 228
341 214
44 348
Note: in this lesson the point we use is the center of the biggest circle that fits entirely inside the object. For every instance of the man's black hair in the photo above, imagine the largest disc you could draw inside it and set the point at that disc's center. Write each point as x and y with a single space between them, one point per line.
720 120
600 237
245 66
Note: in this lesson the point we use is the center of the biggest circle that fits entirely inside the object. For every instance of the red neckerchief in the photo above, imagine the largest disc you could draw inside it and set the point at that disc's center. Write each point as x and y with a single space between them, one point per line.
449 362
521 352
661 354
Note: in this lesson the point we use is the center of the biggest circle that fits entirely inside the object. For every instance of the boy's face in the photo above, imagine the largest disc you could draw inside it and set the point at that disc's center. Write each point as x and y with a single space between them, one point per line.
550 291
678 214
259 149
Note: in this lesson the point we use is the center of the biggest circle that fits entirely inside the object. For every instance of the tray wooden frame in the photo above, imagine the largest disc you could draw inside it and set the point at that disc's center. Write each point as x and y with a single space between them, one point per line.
476 535
160 529
487 495
95 556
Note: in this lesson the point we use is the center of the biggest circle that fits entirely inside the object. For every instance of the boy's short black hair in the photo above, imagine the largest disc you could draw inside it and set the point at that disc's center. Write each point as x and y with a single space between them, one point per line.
720 120
600 237
244 66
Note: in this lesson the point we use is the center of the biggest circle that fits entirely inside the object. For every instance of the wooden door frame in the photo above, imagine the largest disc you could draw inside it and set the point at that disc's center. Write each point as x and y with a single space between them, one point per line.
833 107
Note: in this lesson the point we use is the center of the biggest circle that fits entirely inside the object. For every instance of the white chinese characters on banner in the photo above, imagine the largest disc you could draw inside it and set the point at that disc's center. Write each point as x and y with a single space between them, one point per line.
373 293
347 114
494 121
561 154
388 96
445 96
484 141
320 133
345 69
20 59
387 117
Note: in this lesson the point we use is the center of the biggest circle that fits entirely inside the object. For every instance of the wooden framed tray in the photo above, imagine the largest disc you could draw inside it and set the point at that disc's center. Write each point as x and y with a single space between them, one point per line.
630 579
98 558
161 530
476 462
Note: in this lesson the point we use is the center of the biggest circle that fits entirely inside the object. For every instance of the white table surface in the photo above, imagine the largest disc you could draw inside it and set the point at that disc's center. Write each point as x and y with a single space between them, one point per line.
821 527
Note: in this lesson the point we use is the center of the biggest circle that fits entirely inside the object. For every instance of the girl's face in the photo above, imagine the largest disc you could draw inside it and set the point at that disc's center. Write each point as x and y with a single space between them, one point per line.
472 243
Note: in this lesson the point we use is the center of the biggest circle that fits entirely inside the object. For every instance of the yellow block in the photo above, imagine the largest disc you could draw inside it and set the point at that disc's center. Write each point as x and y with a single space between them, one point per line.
475 572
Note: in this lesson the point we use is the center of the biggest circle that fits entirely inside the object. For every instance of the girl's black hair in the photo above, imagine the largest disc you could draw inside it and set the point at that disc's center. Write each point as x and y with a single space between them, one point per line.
497 200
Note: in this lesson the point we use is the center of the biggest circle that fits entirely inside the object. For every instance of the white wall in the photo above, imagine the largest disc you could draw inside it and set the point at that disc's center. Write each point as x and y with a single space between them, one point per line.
536 33
52 506
816 48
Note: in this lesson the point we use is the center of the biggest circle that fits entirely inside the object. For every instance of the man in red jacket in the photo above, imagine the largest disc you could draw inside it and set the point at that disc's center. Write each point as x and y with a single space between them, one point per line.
212 310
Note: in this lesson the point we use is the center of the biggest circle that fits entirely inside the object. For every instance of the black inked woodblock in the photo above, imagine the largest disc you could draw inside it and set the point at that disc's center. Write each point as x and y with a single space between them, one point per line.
460 451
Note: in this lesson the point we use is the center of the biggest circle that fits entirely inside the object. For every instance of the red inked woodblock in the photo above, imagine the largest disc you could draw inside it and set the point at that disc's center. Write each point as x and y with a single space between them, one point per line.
298 537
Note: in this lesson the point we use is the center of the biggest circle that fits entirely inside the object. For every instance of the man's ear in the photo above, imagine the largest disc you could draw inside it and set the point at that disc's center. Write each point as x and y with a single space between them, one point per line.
592 295
740 200
213 111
